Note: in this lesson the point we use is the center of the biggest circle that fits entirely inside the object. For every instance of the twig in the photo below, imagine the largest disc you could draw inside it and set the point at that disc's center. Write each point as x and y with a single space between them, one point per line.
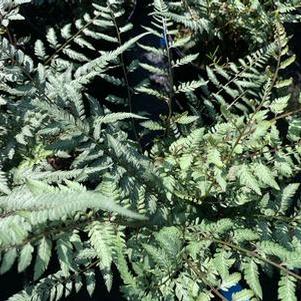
124 70
256 255
200 274
71 39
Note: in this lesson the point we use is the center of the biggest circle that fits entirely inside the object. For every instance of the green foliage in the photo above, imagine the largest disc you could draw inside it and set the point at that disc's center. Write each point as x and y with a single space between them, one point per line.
211 201
249 22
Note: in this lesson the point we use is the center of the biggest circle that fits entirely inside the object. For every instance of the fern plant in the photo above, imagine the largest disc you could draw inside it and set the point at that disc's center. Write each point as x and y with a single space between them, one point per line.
210 202
247 25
